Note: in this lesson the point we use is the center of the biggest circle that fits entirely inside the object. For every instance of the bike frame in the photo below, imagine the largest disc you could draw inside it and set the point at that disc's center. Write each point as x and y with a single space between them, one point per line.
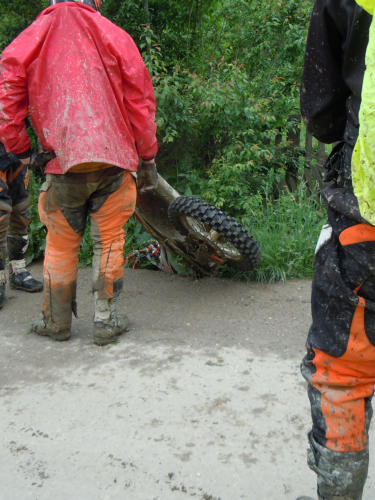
152 212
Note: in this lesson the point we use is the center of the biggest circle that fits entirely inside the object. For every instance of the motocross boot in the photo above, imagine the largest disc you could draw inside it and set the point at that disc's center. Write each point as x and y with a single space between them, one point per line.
19 277
50 329
59 303
108 325
341 476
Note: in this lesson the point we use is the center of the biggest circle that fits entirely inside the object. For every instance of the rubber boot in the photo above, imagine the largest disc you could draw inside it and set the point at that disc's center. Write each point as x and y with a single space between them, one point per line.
19 277
341 476
108 325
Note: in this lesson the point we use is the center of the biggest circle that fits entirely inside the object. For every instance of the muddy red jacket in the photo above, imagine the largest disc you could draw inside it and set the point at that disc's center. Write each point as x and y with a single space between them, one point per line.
84 84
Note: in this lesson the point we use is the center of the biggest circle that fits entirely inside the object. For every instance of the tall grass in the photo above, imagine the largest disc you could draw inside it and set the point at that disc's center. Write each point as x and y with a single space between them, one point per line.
287 230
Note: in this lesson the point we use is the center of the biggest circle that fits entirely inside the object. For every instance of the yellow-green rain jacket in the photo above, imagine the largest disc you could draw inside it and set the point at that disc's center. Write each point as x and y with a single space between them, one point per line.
363 159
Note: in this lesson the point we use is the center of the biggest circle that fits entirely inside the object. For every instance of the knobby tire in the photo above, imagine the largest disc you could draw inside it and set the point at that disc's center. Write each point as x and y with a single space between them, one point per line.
213 218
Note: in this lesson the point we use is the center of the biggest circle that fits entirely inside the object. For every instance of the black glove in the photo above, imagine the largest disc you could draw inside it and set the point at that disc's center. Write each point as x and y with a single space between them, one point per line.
40 160
147 177
7 161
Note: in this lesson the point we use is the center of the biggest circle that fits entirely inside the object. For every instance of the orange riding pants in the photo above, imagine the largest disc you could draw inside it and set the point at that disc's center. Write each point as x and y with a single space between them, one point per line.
107 198
340 361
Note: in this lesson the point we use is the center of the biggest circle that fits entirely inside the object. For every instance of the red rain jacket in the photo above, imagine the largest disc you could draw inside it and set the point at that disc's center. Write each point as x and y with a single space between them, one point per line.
85 85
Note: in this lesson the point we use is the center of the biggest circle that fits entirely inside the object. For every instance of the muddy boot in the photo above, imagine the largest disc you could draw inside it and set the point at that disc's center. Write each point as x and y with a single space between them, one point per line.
19 277
108 325
56 332
59 303
341 476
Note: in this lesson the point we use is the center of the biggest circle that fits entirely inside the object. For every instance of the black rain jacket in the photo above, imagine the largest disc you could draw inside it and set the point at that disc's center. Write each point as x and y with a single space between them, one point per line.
333 70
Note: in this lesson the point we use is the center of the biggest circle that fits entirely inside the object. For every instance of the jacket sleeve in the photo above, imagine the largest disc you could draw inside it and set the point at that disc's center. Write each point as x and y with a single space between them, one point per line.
139 99
323 89
13 101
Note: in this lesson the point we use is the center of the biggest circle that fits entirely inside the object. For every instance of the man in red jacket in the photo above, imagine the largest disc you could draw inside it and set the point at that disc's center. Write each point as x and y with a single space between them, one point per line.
91 101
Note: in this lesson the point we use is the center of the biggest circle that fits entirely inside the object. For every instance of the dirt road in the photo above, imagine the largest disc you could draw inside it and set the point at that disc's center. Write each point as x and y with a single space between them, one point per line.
202 399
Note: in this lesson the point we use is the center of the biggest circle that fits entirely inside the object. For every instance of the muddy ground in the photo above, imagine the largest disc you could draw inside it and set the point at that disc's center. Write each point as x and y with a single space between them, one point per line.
201 399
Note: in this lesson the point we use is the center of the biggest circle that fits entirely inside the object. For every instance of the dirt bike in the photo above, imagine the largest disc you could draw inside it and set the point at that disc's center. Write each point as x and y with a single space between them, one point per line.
202 235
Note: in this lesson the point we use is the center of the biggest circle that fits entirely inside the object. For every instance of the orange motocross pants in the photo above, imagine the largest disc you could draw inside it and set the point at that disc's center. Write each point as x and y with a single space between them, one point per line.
108 198
340 361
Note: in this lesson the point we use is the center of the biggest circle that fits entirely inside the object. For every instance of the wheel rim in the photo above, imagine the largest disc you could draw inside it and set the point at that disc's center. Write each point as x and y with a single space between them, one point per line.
211 237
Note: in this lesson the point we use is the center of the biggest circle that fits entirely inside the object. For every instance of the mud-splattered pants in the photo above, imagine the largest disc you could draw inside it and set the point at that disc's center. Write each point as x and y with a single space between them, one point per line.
14 213
340 362
108 197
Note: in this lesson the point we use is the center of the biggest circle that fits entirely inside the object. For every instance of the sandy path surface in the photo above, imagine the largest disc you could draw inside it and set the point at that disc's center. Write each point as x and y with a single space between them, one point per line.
201 399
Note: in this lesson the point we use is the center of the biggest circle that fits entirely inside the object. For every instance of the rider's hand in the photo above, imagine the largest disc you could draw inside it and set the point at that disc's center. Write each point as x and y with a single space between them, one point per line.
147 177
7 161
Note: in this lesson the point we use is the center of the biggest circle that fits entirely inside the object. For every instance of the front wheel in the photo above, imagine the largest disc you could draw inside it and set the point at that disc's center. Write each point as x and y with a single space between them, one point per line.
229 241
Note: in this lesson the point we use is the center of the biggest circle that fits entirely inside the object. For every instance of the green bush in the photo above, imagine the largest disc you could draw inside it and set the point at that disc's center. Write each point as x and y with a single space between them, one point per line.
226 77
15 15
287 230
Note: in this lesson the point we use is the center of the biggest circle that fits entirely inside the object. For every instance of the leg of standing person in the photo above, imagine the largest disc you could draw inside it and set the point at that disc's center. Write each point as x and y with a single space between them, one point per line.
17 238
110 208
109 197
340 362
5 210
61 255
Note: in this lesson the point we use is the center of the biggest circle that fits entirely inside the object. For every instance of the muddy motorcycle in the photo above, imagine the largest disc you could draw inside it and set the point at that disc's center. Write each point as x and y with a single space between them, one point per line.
202 235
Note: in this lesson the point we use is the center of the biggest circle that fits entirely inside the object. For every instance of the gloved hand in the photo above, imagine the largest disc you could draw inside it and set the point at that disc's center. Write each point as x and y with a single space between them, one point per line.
147 177
7 161
40 160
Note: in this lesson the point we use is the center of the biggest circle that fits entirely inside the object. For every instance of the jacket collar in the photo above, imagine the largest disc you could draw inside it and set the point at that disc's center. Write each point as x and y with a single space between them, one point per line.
51 8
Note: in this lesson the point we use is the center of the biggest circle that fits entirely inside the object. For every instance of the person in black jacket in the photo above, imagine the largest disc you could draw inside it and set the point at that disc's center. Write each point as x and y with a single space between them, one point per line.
340 362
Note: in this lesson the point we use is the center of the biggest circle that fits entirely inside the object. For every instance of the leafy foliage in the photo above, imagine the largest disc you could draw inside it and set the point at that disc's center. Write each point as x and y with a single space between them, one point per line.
15 15
226 76
287 230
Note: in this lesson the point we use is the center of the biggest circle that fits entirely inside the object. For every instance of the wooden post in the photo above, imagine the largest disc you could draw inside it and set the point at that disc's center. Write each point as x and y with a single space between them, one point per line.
307 171
147 12
293 140
321 153
294 133
308 145
321 159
